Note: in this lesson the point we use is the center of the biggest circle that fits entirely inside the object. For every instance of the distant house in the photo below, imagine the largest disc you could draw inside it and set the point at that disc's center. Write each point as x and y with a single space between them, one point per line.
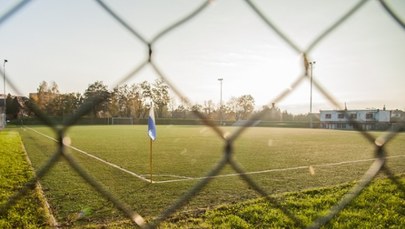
369 119
397 116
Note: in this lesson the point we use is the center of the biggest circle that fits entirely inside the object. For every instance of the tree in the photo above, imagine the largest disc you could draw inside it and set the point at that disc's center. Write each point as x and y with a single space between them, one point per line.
54 106
229 113
70 103
97 96
285 116
246 104
117 105
180 112
160 96
134 100
126 101
13 107
41 91
146 91
45 95
231 109
208 108
158 92
54 89
272 113
197 108
301 117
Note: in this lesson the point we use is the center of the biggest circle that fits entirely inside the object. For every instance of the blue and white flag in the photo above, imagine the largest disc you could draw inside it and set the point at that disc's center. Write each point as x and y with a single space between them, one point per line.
151 124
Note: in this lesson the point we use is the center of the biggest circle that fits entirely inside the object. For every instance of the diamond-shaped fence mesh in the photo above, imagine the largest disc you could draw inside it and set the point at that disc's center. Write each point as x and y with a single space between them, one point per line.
378 143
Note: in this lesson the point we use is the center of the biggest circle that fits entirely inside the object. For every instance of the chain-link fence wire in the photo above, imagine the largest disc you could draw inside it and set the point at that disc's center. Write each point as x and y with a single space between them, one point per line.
378 166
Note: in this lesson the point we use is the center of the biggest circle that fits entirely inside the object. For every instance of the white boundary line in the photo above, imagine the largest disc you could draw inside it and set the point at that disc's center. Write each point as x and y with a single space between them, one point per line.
44 201
275 170
94 157
184 178
110 164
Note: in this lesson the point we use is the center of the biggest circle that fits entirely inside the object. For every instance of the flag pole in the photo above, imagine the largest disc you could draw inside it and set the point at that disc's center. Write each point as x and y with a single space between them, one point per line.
150 160
152 136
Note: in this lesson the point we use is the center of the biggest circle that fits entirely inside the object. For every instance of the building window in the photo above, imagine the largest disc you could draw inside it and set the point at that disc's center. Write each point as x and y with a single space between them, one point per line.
328 116
353 116
369 115
341 116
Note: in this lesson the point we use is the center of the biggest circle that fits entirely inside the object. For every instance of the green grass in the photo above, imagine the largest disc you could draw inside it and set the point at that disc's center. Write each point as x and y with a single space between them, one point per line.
15 171
381 205
192 151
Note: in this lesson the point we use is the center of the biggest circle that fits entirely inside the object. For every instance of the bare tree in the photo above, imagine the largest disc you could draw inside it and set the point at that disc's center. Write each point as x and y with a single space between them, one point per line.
246 104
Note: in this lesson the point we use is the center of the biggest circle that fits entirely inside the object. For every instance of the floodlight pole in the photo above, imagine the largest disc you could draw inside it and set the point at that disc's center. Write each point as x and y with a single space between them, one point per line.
220 100
5 97
311 64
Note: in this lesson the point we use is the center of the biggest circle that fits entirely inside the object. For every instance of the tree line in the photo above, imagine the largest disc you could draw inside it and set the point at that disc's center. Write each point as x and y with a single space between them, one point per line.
134 101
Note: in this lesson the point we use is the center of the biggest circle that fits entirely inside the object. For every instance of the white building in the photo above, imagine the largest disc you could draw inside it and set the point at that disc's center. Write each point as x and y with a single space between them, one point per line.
367 119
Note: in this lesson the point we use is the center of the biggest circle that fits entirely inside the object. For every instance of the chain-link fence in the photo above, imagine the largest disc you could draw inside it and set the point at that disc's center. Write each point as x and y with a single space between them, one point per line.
379 143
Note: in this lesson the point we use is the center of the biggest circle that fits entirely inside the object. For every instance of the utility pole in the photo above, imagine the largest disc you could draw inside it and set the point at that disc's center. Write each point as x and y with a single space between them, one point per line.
220 101
5 96
311 64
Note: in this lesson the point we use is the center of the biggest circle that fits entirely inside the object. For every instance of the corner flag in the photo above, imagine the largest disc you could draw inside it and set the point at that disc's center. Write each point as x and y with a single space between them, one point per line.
151 124
152 135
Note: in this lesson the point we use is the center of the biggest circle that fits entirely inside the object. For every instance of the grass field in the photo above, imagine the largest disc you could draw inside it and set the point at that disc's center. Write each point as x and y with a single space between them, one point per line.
380 205
15 171
279 160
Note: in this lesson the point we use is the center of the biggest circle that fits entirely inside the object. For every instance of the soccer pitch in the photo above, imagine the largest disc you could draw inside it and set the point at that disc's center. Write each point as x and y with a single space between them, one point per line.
277 159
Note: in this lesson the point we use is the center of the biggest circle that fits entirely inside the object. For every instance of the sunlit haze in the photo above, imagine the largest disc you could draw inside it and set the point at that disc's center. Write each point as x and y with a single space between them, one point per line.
75 43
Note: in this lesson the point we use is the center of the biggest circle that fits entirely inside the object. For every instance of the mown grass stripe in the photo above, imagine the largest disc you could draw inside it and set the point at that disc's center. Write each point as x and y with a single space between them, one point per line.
94 157
48 210
15 172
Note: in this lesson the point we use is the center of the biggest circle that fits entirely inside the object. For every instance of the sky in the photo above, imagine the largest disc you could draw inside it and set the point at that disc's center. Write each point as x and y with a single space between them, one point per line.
76 42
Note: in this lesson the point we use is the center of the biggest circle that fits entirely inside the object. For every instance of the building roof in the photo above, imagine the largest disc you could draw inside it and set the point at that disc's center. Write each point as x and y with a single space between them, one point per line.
369 110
